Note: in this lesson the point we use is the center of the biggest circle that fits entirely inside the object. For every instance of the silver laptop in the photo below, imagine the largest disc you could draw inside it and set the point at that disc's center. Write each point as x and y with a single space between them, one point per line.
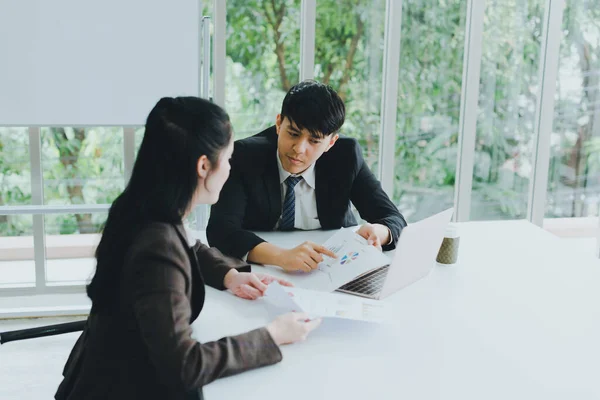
414 258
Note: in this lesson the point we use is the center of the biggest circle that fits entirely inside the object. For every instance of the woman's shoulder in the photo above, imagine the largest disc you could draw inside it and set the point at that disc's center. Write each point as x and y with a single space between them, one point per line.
159 237
157 228
153 230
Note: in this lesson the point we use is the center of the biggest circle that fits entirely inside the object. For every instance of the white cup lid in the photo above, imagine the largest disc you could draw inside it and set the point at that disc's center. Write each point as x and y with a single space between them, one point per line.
451 231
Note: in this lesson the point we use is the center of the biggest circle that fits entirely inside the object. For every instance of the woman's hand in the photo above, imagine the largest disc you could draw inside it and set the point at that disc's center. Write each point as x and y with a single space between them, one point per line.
291 328
250 285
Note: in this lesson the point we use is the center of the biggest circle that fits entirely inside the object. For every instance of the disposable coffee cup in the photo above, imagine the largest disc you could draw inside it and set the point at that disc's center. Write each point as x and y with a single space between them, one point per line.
448 253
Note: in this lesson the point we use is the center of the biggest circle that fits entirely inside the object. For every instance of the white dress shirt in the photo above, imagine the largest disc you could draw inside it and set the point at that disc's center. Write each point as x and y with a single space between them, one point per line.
305 208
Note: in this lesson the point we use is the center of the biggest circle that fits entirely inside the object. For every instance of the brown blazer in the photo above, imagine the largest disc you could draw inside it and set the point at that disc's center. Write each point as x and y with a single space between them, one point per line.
144 349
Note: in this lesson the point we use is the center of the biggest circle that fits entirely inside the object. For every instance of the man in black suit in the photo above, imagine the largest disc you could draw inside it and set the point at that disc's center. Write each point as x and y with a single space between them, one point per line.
300 174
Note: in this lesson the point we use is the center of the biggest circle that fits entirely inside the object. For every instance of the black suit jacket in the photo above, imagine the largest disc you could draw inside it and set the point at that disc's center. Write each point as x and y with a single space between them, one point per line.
143 349
251 197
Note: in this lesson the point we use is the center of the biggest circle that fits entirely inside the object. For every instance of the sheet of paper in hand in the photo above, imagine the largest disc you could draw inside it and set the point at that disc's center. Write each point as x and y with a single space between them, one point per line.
326 305
354 257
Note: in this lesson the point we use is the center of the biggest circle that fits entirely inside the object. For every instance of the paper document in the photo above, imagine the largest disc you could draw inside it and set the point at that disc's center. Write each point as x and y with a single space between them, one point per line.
355 257
326 305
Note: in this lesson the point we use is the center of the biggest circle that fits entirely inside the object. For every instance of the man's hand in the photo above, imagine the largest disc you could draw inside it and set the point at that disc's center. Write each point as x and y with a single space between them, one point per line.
248 285
376 234
305 257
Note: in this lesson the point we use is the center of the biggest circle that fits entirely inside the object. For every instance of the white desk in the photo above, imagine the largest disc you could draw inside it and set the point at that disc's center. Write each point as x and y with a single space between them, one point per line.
517 318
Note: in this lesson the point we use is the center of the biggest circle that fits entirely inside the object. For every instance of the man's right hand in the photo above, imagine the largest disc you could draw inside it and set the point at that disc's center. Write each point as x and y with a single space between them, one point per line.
305 257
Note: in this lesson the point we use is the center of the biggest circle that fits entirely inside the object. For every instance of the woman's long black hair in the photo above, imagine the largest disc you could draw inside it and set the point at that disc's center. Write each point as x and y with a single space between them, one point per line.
163 181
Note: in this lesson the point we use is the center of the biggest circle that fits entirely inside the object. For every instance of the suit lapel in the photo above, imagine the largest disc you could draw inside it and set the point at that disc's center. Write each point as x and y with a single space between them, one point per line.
322 187
273 190
197 283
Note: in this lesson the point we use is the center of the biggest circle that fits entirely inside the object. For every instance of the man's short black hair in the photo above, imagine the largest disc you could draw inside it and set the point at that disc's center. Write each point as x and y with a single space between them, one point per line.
315 107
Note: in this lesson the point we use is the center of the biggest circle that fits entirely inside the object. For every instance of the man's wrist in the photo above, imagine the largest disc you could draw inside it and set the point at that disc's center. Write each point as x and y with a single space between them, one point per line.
390 237
278 256
267 254
384 234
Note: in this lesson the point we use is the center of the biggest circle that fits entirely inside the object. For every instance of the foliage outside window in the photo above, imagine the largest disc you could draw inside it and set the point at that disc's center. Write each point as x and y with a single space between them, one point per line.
429 90
15 180
80 166
509 89
574 175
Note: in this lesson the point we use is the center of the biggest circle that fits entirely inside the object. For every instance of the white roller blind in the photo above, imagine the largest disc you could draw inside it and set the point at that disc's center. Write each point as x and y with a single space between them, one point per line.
83 62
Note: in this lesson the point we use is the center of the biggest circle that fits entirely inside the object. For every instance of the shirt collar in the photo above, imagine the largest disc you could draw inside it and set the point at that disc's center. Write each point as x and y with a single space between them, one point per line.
308 175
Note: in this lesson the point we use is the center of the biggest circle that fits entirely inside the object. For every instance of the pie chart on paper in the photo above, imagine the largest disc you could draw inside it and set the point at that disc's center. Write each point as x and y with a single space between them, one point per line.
348 258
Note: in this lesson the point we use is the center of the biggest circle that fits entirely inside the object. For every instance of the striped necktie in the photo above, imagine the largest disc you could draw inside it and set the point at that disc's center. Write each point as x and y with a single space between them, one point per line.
288 212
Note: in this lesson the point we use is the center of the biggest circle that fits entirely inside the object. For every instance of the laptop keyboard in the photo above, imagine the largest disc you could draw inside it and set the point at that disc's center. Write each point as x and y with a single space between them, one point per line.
369 284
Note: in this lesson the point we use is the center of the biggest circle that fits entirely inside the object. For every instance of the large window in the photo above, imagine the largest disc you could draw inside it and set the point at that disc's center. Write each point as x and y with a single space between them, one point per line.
430 78
76 167
574 175
507 102
263 54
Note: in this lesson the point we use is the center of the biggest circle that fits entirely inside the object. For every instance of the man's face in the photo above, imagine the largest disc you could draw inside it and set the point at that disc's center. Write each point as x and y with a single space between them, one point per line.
298 149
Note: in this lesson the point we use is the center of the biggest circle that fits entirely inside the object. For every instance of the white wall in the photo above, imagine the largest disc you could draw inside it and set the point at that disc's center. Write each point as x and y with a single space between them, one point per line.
83 62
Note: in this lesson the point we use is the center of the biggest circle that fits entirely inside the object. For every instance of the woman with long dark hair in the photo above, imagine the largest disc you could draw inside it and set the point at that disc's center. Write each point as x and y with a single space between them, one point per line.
149 283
